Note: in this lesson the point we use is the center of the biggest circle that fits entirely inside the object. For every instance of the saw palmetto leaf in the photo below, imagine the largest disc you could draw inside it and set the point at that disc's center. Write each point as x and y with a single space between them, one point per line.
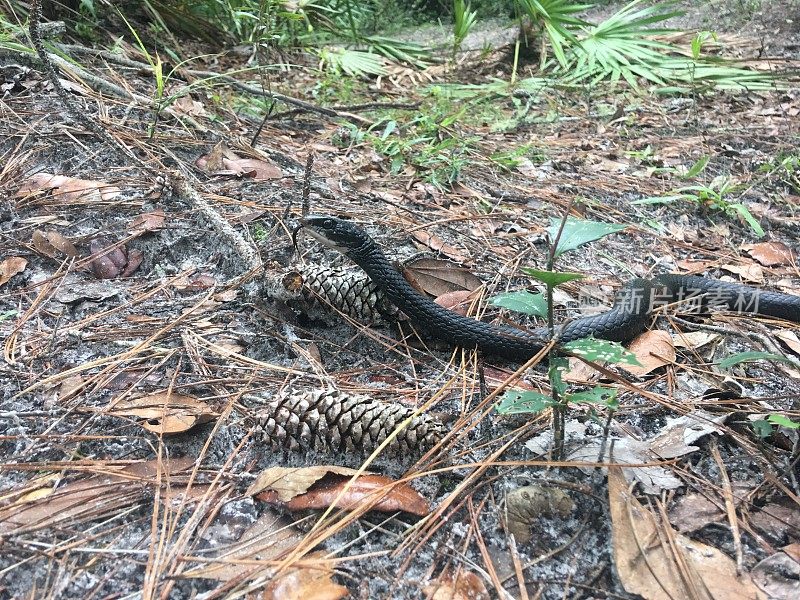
352 62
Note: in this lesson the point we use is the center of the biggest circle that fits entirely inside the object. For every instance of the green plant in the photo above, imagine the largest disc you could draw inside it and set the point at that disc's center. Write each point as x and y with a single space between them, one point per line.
464 19
555 18
429 143
622 46
714 195
764 427
566 234
786 168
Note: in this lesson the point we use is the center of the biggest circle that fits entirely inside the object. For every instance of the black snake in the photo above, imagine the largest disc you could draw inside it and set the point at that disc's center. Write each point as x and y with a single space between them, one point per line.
628 317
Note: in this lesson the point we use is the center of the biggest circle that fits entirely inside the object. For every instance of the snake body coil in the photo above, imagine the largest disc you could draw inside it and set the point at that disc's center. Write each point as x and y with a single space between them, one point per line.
628 317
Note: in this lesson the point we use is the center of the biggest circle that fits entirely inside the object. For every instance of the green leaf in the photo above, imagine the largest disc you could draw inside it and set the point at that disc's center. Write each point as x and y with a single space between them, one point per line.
522 301
578 232
697 167
390 127
762 428
748 217
552 278
601 350
783 421
727 363
596 395
518 401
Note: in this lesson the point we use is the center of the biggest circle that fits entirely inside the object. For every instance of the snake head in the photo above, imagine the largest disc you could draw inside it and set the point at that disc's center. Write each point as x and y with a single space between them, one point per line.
337 234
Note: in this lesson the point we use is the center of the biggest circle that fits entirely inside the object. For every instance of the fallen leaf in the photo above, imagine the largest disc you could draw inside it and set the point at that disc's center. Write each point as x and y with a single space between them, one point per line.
309 582
778 576
68 189
771 254
165 413
223 161
378 492
694 511
52 244
290 482
793 550
673 440
186 106
437 277
653 349
151 221
777 521
694 339
751 272
438 245
135 258
695 266
13 265
789 338
459 301
457 584
658 563
678 434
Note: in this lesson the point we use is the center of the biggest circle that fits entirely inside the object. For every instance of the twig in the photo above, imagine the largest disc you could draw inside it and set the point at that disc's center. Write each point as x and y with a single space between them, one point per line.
248 254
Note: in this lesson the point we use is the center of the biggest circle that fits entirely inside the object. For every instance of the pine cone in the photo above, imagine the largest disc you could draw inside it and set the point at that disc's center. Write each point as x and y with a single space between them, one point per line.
349 290
328 420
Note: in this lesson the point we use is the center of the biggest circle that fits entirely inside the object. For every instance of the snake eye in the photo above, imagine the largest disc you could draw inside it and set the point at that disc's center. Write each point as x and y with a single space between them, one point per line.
328 223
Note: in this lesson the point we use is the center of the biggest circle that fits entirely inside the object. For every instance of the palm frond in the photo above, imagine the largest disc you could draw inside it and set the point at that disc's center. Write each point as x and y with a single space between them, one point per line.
351 62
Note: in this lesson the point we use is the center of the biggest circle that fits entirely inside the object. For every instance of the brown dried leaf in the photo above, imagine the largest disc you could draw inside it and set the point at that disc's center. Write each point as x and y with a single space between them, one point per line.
52 244
459 301
437 277
365 489
789 338
309 582
457 585
290 482
495 376
652 567
694 511
771 254
13 265
694 339
257 168
135 258
749 272
695 266
68 188
186 106
653 349
166 413
437 244
151 221
223 161
793 551
579 372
